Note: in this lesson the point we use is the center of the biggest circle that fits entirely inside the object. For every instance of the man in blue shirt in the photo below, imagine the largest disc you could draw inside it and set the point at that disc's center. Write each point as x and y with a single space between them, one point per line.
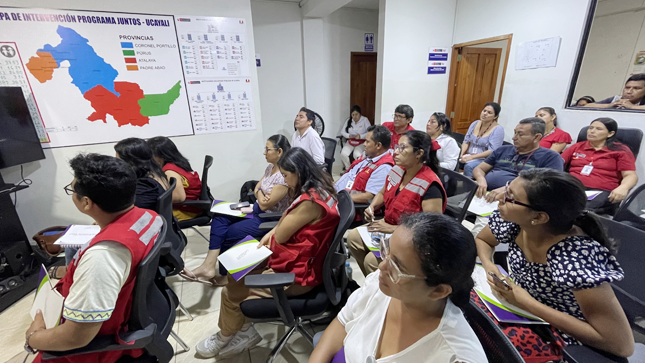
366 176
506 162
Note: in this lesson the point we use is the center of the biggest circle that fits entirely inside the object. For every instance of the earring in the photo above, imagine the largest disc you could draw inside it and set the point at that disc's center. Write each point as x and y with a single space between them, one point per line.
533 222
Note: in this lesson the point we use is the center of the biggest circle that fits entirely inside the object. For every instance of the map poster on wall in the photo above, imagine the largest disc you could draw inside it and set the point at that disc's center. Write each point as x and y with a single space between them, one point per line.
215 57
100 77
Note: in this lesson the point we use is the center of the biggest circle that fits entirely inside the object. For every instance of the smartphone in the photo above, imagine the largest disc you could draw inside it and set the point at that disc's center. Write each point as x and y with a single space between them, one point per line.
497 279
239 205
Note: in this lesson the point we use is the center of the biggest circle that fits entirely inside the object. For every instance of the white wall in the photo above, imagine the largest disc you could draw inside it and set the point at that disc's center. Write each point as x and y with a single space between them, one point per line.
238 156
527 90
408 29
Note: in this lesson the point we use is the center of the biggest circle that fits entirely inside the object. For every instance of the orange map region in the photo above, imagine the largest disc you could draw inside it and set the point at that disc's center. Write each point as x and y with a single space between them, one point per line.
42 67
124 108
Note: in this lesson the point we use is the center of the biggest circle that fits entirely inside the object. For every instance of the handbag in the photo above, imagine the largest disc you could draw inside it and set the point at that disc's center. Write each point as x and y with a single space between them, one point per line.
46 238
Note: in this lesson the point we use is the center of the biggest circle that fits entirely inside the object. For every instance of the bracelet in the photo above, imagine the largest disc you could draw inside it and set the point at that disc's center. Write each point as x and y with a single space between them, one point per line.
28 348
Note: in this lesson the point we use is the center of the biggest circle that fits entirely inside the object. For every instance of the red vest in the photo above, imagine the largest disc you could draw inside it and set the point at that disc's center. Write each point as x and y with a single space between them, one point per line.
137 230
409 200
304 253
194 189
363 175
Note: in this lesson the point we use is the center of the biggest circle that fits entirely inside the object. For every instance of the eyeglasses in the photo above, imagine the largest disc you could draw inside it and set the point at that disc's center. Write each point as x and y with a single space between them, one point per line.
266 149
398 117
401 147
69 190
394 271
508 199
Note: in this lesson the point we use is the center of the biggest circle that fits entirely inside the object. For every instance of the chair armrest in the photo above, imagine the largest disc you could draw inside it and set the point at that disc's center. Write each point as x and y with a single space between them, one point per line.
267 226
273 215
584 354
138 339
361 205
270 280
204 205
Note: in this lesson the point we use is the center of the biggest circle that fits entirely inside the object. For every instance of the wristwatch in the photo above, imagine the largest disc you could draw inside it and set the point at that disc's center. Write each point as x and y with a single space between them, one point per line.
28 348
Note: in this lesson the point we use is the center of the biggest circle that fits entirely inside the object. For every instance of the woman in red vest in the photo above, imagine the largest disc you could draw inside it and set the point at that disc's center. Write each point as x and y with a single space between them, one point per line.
299 243
175 165
412 186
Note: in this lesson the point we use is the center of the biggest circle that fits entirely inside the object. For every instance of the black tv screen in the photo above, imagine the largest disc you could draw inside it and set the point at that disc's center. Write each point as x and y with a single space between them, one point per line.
19 142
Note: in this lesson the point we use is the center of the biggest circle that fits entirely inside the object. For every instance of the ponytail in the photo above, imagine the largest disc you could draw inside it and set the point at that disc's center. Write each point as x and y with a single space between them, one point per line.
432 161
590 223
461 297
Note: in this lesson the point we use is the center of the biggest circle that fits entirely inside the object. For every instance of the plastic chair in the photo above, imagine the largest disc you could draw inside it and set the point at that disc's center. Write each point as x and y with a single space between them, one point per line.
151 317
460 191
496 345
630 137
631 208
295 311
204 203
330 151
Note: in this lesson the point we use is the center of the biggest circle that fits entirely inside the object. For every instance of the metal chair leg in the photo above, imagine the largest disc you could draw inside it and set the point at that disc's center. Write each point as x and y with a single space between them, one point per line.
186 312
200 233
178 340
276 350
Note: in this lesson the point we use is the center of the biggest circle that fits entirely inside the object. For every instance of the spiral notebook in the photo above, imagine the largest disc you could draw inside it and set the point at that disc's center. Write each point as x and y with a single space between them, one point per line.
77 235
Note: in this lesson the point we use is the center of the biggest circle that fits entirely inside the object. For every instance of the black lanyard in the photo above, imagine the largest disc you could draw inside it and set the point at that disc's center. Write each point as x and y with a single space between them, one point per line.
525 160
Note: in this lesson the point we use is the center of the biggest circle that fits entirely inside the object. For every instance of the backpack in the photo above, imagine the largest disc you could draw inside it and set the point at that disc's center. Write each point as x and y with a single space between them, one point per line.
247 192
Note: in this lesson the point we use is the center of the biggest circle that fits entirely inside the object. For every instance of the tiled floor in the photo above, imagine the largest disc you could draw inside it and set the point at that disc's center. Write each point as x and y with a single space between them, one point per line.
201 301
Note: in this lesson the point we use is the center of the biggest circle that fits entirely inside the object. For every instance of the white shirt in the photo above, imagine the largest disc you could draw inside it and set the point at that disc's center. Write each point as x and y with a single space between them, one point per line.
448 155
359 127
98 279
363 318
311 142
376 180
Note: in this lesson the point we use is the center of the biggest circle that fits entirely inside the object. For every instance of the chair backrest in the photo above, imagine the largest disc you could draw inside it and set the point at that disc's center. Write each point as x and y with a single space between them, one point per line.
330 151
630 137
458 137
495 343
460 190
631 254
146 307
319 123
631 209
506 143
334 275
174 235
205 193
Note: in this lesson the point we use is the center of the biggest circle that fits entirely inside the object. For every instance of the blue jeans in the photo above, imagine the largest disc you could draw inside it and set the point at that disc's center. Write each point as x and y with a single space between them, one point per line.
226 231
70 252
471 165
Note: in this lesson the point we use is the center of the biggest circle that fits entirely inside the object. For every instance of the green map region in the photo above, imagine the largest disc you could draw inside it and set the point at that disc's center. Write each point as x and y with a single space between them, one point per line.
96 80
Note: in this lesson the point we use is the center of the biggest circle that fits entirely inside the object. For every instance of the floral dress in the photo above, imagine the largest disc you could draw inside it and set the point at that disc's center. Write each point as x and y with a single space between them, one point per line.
576 262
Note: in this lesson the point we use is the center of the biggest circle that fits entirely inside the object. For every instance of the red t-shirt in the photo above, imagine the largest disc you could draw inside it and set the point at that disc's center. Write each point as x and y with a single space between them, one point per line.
556 137
607 165
395 136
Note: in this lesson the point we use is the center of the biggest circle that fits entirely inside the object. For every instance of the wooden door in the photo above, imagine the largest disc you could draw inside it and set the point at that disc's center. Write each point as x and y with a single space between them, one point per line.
477 72
363 84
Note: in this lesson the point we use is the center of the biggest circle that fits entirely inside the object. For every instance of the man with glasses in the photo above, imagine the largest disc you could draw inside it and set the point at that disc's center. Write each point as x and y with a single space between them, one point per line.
403 115
506 162
100 279
366 176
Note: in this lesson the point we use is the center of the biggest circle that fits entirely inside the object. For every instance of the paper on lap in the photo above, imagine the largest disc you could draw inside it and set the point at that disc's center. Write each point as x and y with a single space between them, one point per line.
372 240
591 194
481 207
240 259
223 207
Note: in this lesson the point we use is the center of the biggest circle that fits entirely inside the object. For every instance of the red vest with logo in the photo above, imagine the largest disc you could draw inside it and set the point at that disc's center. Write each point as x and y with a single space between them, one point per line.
409 200
363 175
304 253
137 230
194 189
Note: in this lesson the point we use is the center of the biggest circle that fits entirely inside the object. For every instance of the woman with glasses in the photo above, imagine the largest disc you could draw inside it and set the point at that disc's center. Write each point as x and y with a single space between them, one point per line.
409 310
226 231
411 186
483 137
560 260
402 118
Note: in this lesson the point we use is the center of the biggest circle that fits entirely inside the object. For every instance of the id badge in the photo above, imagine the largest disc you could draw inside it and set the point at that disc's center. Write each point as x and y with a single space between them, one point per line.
586 170
349 185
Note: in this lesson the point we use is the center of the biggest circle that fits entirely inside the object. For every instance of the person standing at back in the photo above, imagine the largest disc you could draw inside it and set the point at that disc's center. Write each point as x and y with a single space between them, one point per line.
403 115
306 136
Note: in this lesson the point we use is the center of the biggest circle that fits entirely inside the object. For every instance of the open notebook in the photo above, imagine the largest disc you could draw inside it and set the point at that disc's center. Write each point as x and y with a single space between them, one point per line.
77 235
223 207
240 259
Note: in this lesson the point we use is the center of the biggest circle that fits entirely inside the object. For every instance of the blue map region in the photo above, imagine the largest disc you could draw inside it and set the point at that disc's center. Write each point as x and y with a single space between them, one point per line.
86 68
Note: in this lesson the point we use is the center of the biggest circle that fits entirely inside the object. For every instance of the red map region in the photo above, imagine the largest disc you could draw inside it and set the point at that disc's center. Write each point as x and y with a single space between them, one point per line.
124 108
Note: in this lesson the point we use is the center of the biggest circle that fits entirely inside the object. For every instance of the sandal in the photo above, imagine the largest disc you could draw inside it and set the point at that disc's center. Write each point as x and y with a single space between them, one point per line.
190 276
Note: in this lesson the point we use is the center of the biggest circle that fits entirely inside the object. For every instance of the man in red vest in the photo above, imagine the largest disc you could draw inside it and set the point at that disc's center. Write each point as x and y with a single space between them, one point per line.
99 281
366 176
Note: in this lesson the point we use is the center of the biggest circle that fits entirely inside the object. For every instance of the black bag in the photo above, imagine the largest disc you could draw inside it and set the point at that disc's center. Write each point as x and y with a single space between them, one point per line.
247 192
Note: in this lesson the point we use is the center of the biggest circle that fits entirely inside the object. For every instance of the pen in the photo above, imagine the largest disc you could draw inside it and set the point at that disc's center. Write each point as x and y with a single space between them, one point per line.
372 213
496 278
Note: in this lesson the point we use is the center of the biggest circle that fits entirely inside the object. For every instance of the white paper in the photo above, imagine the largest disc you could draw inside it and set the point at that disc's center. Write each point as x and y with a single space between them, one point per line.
367 238
224 208
481 207
49 301
78 235
591 194
243 255
538 54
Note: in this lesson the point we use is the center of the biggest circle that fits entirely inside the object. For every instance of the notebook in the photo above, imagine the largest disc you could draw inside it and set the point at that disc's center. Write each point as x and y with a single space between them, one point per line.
240 259
591 194
77 235
501 309
481 207
222 207
48 300
372 240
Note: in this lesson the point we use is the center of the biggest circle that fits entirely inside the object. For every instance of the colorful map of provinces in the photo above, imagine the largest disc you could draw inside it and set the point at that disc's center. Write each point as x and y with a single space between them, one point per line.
95 78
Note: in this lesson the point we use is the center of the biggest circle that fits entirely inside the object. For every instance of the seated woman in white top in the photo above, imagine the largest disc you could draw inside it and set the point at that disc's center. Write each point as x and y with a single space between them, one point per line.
354 132
438 127
408 310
